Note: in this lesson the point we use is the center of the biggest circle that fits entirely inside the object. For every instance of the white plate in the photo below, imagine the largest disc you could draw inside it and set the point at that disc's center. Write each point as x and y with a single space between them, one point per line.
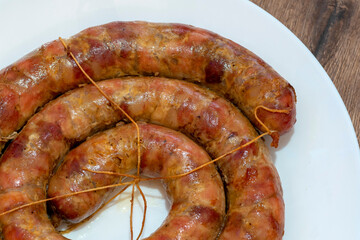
318 161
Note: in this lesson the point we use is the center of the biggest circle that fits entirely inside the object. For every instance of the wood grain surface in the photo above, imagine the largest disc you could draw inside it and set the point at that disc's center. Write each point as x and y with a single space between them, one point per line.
331 30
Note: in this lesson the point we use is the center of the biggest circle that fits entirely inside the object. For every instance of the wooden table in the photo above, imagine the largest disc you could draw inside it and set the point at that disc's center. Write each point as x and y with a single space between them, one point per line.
331 30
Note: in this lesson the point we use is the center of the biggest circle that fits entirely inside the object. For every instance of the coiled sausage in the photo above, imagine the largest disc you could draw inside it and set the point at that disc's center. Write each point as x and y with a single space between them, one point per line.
198 200
254 194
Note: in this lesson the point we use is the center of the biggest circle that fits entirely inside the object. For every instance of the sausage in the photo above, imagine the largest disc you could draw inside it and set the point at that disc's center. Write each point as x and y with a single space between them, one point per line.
254 193
145 49
198 200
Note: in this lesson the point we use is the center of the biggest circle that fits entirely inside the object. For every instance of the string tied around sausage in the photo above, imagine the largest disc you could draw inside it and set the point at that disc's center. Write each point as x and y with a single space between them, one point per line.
9 137
273 133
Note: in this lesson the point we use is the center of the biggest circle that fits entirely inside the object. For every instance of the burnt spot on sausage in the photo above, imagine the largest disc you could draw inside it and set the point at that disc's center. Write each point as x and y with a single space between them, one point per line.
76 48
144 162
205 215
125 107
257 185
210 121
8 110
124 36
184 115
78 74
247 150
74 165
99 53
16 148
214 71
49 131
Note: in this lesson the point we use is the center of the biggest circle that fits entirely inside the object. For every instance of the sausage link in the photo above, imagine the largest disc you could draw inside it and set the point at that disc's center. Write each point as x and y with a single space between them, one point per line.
198 200
254 194
145 49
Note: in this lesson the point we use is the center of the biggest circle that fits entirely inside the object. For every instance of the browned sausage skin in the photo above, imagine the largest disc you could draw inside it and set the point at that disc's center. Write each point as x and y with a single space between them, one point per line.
198 200
254 194
140 48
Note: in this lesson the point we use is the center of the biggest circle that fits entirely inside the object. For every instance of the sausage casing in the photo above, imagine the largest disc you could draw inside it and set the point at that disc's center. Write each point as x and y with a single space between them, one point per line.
254 194
140 48
197 200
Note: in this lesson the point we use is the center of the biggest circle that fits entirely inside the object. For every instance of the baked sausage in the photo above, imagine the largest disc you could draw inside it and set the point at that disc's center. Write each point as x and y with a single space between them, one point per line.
140 48
254 193
198 199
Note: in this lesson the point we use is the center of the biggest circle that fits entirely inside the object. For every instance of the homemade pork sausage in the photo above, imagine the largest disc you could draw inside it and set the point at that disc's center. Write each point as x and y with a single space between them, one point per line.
254 193
197 200
140 48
